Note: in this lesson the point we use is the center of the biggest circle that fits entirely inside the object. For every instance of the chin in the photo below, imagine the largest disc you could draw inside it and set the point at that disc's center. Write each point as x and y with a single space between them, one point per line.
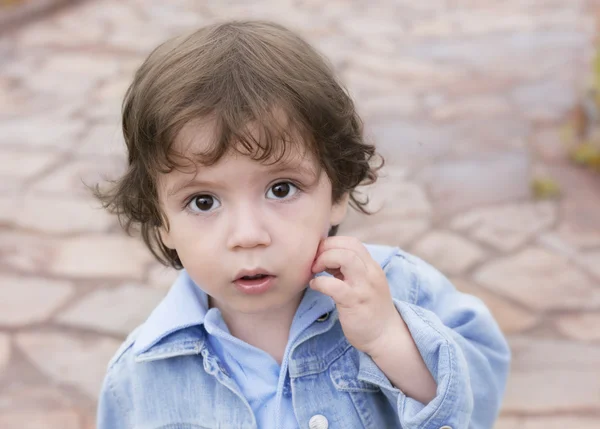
258 307
270 303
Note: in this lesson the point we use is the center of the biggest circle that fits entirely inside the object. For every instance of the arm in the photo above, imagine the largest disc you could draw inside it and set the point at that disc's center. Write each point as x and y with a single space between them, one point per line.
459 343
450 335
110 413
114 403
412 377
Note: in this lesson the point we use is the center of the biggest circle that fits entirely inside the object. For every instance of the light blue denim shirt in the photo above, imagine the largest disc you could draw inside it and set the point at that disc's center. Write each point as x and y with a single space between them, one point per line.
263 382
175 371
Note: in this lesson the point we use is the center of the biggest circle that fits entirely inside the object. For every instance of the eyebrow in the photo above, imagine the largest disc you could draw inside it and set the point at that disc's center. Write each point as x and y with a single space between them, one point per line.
278 168
178 187
299 167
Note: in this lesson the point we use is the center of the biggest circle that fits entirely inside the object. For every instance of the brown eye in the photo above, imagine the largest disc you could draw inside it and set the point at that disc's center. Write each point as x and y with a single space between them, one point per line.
203 203
282 190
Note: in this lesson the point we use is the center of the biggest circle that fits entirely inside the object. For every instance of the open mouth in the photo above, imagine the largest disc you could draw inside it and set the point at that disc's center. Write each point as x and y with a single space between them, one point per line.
255 283
254 280
255 277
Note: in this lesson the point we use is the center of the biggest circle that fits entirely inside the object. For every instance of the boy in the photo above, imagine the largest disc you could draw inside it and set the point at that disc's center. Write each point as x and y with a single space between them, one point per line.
244 154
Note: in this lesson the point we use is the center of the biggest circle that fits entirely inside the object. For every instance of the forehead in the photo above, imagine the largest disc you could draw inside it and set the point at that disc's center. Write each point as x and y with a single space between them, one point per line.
199 141
196 137
204 142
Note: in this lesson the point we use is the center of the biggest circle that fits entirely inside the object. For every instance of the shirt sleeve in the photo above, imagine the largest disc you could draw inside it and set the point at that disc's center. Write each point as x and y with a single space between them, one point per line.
111 412
460 343
114 402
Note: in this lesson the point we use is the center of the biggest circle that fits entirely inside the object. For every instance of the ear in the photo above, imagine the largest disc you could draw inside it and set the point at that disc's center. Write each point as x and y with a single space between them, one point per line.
339 210
165 236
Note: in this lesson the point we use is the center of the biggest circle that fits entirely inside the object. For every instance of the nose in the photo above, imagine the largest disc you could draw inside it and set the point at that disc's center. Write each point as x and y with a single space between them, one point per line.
248 229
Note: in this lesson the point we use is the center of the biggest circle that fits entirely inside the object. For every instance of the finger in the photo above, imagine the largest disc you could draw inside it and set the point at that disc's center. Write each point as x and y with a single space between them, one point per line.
337 289
346 261
342 242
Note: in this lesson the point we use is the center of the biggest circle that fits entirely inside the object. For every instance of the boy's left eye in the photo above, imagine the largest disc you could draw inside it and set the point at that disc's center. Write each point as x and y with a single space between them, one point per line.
282 190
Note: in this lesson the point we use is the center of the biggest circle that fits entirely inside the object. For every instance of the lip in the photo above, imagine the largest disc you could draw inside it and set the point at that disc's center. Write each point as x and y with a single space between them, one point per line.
255 287
252 272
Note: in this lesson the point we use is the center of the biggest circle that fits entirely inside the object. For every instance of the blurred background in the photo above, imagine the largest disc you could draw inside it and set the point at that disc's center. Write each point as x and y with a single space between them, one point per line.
486 112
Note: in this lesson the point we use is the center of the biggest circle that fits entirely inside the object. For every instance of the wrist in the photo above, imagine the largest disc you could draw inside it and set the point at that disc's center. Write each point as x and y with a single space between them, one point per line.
397 355
391 339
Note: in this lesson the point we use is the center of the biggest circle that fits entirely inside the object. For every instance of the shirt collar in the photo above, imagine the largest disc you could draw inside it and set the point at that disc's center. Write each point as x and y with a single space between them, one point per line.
186 306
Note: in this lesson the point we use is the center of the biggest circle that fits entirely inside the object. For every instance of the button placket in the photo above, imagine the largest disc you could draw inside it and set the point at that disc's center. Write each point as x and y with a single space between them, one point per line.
223 369
287 388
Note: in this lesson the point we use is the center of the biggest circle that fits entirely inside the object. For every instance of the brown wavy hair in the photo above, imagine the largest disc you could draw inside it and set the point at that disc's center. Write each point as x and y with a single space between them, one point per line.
234 73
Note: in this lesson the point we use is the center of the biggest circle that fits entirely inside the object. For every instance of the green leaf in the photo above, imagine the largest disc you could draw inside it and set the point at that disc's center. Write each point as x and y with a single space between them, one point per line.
545 188
585 154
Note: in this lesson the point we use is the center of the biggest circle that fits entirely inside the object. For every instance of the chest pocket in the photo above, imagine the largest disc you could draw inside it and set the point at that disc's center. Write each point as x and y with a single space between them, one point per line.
371 406
344 374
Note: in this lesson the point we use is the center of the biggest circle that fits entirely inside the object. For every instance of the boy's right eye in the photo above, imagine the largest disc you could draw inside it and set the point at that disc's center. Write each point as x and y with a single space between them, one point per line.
203 203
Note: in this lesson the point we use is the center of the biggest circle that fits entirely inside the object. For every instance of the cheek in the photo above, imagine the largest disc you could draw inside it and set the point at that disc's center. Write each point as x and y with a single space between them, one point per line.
195 245
305 271
325 233
203 267
303 232
305 255
308 219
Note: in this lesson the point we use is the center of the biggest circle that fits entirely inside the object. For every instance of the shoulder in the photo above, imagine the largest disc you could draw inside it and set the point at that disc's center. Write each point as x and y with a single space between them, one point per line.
115 400
118 376
409 277
125 350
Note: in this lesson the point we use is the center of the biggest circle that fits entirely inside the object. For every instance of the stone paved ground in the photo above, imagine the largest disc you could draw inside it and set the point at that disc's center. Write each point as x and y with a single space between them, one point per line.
465 98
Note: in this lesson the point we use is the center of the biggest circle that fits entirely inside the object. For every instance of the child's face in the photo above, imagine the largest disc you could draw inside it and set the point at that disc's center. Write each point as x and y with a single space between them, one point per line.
239 215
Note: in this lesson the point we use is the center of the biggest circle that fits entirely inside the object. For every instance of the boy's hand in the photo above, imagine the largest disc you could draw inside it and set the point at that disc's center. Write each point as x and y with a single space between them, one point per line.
361 293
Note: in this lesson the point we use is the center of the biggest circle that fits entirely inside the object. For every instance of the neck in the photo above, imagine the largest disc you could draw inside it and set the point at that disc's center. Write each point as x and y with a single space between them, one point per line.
267 331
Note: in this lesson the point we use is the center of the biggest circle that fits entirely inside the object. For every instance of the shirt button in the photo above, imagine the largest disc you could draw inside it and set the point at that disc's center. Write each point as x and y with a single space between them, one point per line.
323 317
318 422
446 427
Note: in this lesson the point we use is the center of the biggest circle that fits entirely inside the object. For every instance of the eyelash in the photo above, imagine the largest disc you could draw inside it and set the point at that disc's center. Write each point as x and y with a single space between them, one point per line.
300 190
